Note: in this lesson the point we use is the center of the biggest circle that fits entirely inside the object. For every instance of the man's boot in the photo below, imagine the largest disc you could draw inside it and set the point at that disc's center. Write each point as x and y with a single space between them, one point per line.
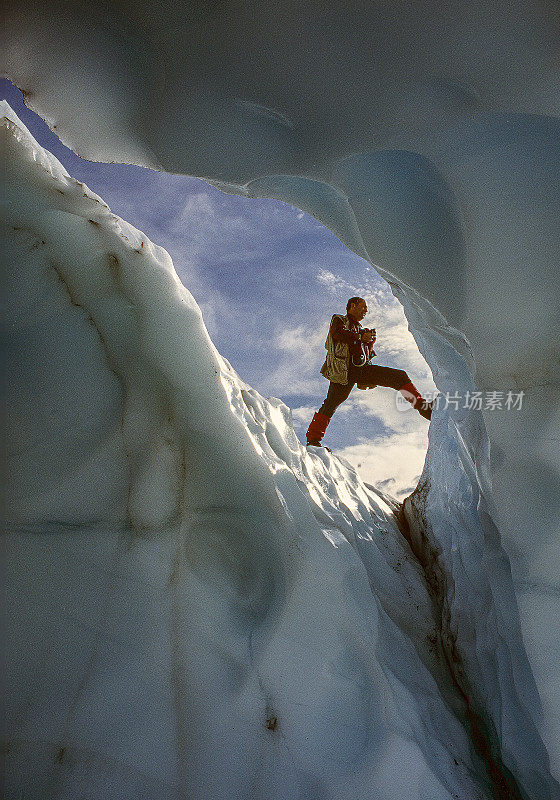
317 429
411 393
424 408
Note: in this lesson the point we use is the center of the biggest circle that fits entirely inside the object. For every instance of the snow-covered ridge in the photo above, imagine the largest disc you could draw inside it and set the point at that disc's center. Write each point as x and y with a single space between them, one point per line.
201 608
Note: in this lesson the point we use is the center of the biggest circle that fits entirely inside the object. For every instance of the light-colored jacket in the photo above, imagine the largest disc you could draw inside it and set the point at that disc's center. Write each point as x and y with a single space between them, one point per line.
335 368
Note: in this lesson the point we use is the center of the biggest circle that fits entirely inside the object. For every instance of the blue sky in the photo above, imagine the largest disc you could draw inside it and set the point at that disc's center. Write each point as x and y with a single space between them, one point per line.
268 277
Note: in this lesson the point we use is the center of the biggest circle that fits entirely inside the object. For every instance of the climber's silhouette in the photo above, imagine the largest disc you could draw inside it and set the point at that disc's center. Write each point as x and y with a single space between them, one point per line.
349 353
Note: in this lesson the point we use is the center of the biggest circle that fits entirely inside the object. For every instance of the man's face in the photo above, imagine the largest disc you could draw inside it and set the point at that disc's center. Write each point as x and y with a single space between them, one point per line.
358 310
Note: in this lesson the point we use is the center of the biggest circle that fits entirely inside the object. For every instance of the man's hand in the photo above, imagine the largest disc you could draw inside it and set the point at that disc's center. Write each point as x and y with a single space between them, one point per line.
369 335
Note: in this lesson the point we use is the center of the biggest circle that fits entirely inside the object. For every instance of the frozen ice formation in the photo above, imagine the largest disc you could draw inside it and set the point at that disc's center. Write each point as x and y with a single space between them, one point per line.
426 137
199 607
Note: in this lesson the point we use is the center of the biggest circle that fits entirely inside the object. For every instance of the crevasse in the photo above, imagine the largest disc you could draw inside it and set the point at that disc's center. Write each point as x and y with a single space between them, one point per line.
199 607
425 135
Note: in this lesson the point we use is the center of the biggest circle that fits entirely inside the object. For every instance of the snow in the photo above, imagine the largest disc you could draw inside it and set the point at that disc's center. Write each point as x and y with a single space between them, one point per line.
198 606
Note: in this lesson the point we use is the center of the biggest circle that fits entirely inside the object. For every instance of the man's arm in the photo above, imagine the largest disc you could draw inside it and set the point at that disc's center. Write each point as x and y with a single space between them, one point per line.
341 334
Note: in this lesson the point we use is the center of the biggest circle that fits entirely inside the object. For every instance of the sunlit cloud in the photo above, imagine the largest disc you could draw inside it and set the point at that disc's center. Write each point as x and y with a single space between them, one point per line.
333 283
394 460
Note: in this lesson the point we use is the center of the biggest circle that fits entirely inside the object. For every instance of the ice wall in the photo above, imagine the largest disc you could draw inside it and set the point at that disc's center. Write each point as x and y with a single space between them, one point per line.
198 606
425 136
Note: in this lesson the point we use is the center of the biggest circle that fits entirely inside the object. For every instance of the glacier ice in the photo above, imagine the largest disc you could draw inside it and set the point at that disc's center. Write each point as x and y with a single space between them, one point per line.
199 607
426 137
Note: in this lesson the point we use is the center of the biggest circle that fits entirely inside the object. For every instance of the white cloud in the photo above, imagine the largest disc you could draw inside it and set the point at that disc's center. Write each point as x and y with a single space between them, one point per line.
199 207
228 228
394 462
301 353
394 459
334 283
300 339
303 413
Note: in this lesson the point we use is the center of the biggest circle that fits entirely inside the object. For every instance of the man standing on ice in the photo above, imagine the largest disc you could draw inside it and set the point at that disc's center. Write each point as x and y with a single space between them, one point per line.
349 351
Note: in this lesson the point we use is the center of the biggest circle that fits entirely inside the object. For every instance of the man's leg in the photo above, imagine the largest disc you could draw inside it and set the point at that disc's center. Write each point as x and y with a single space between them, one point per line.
375 375
337 394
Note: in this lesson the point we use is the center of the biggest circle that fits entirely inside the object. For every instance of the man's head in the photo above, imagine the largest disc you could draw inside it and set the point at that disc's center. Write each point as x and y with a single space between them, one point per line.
356 307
